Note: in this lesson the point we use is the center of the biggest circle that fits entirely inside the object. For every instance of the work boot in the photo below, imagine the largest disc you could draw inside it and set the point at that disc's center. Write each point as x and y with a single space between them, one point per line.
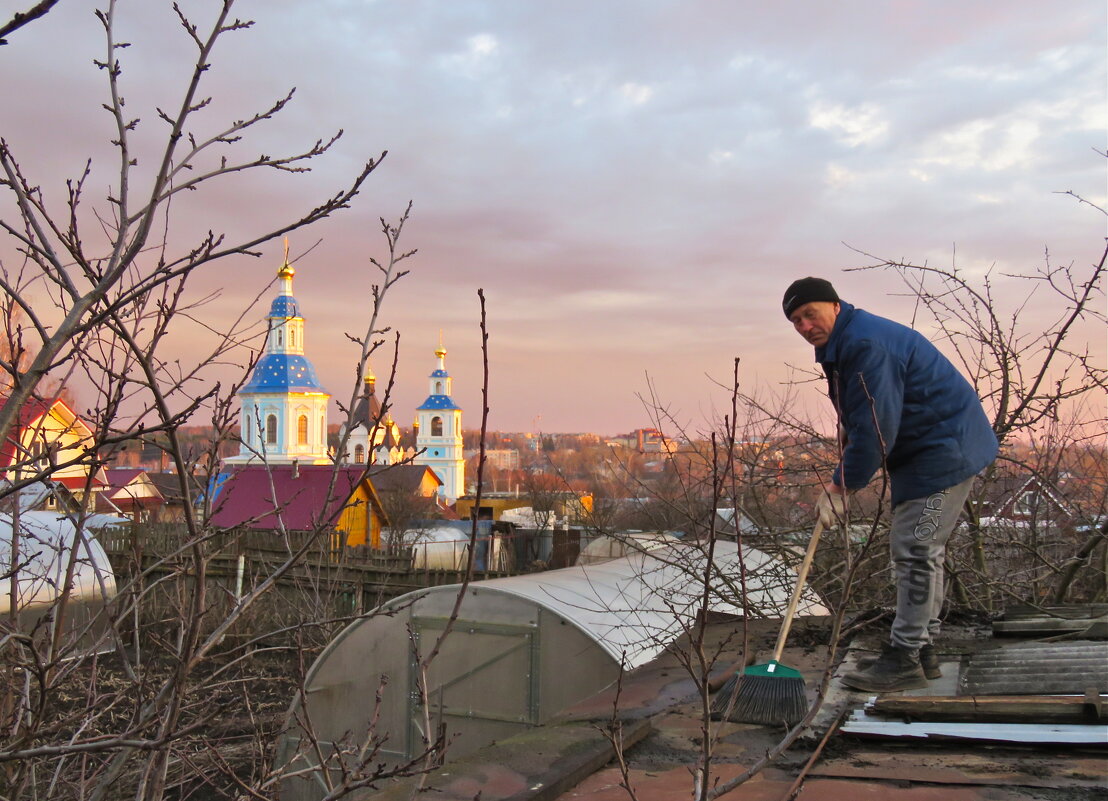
896 669
928 660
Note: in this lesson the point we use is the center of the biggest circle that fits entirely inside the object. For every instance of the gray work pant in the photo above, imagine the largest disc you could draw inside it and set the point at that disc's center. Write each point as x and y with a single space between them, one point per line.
917 539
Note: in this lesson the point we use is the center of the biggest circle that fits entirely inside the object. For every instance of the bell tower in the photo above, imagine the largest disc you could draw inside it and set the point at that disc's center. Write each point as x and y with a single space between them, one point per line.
439 440
283 407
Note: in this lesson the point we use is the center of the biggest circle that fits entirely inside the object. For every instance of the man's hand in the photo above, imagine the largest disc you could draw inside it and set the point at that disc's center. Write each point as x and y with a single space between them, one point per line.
831 505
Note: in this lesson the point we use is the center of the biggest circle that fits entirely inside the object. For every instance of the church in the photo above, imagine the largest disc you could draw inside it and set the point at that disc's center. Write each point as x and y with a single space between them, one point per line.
284 410
283 407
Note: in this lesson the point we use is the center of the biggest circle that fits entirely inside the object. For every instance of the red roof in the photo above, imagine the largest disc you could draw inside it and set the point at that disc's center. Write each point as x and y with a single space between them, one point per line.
119 477
78 482
253 495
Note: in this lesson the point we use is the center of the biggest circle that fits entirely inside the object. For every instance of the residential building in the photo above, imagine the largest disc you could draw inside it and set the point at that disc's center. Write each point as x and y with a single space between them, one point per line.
300 498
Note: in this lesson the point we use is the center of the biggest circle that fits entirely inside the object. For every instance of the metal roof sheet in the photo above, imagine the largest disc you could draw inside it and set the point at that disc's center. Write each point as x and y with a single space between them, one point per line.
860 723
1037 668
299 498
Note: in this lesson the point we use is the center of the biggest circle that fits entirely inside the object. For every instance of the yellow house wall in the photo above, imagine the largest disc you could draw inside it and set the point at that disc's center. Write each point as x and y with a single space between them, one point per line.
359 520
428 486
70 437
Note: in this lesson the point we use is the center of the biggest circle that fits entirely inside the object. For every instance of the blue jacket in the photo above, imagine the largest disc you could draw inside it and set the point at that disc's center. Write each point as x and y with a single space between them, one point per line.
934 431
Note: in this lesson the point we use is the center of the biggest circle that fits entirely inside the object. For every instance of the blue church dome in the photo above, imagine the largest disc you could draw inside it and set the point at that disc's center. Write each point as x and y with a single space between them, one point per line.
439 374
283 372
438 402
284 306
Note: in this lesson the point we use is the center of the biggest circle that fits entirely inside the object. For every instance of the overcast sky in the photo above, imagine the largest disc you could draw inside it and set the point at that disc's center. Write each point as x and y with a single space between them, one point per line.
633 183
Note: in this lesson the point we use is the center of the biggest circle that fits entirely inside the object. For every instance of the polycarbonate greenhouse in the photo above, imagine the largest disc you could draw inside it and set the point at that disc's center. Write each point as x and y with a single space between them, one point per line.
48 549
522 649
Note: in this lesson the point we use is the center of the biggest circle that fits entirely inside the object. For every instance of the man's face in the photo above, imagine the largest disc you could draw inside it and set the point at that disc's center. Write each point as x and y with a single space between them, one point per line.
814 321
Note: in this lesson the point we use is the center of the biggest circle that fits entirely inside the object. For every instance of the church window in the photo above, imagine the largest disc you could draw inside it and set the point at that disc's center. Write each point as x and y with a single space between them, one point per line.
271 429
280 337
302 430
436 426
359 453
292 337
322 428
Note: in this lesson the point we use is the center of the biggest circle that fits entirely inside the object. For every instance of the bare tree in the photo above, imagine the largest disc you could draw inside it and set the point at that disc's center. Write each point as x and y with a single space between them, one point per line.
21 18
1027 363
156 692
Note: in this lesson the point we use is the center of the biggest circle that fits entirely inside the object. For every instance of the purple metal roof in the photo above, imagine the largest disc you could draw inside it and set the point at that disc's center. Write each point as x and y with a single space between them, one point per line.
301 498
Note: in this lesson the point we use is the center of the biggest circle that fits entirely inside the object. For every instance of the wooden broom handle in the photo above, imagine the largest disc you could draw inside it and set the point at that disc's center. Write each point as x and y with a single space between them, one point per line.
801 578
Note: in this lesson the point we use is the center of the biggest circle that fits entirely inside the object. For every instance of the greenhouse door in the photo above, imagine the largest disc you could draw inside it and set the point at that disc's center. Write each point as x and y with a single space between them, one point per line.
483 683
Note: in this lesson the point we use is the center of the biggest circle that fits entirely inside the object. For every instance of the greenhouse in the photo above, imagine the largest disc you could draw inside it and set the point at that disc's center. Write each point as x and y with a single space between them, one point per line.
522 649
48 548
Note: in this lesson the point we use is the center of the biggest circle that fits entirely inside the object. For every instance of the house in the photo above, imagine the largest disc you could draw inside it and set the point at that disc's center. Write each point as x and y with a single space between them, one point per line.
38 496
174 500
415 479
1026 501
51 441
132 493
301 498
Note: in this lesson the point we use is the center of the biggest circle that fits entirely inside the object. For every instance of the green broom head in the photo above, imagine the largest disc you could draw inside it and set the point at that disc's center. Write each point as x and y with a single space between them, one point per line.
773 670
771 694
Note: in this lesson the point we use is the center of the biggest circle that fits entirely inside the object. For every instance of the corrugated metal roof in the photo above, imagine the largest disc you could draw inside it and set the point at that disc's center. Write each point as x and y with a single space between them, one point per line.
272 496
1037 669
1043 621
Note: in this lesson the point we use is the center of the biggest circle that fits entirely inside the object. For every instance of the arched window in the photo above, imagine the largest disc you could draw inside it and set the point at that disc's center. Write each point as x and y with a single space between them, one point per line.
280 336
438 387
302 430
359 453
292 337
271 429
436 426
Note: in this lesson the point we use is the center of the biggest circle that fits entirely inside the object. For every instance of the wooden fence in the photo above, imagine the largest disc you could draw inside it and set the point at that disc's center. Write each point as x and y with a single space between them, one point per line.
317 579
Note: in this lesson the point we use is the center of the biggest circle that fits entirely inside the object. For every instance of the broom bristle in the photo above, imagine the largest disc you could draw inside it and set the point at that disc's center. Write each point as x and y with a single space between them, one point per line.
760 697
722 702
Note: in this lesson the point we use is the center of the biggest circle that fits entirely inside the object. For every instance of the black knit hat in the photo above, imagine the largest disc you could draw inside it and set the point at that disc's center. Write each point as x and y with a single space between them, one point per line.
807 290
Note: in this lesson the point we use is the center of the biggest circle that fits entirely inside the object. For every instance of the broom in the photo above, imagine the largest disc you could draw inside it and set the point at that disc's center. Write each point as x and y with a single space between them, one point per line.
773 692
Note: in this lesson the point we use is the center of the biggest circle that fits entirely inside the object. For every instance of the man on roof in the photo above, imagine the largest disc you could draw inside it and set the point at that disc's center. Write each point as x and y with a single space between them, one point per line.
903 406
